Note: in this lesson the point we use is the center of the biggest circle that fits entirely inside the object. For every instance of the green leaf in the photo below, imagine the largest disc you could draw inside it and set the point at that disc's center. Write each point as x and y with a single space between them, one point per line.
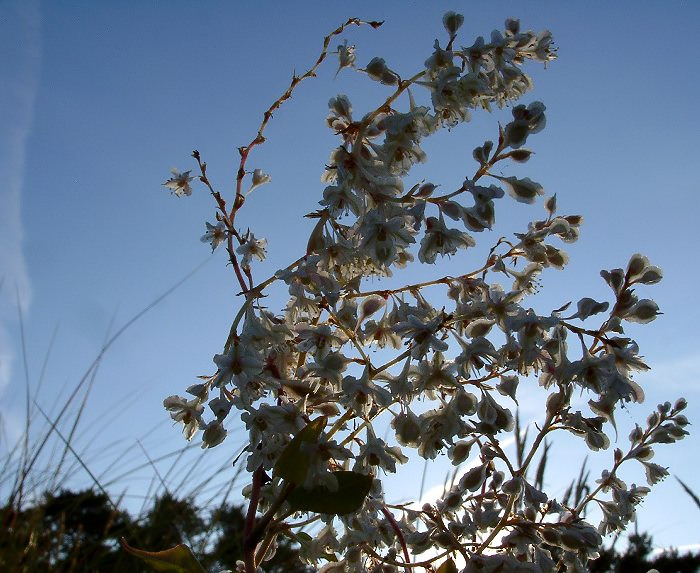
447 567
352 490
179 559
293 464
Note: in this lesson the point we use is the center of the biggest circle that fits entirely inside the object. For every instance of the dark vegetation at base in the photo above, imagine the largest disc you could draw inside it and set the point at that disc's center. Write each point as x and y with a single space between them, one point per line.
637 558
79 532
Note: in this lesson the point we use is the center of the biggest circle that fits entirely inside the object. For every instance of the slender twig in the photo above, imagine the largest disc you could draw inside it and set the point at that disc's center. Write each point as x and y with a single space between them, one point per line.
426 563
249 543
399 534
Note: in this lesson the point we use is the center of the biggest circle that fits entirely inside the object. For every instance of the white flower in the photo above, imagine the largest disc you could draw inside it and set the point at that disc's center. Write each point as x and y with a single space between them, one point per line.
346 56
381 333
242 362
432 376
179 183
361 393
268 420
383 239
438 426
475 355
407 428
341 199
221 406
213 435
259 178
440 240
424 336
317 339
375 452
215 235
252 247
189 412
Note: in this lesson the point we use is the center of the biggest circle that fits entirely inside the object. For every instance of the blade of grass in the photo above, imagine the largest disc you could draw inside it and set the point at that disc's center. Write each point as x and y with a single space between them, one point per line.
539 474
422 480
689 491
154 467
18 487
83 403
41 444
97 482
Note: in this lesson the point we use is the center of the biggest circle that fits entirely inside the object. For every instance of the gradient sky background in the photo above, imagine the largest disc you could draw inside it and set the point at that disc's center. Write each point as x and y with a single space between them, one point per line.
98 100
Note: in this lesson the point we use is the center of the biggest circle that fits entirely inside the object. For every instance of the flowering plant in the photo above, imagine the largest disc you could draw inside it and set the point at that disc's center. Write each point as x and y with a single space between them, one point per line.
313 397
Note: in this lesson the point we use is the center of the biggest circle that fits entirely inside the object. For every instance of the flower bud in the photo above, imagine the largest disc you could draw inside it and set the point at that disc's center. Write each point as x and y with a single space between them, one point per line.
389 78
516 133
213 435
376 68
369 306
474 478
426 190
460 451
508 387
556 402
636 435
452 209
512 26
521 156
199 390
642 453
513 486
643 311
588 307
259 178
522 190
638 263
651 276
550 535
615 279
452 22
464 403
408 428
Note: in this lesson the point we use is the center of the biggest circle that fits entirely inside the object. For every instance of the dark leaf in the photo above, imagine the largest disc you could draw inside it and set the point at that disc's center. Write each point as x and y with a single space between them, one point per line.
179 559
293 464
351 493
447 567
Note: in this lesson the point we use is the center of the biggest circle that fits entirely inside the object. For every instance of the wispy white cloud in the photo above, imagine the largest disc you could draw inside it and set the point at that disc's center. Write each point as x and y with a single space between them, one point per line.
20 51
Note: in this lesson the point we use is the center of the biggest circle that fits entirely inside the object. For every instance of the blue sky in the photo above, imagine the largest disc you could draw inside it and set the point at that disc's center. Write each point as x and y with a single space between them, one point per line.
98 100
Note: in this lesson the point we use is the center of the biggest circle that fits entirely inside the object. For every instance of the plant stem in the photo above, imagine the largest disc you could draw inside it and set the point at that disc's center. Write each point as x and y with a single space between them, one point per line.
249 543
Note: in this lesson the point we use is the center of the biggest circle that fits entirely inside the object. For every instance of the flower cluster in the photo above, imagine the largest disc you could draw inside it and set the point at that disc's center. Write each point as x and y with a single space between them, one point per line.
313 397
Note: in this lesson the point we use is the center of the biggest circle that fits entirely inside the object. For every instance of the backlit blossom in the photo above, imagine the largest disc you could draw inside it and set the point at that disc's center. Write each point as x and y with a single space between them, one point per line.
352 356
179 183
259 178
189 412
252 248
215 235
346 56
